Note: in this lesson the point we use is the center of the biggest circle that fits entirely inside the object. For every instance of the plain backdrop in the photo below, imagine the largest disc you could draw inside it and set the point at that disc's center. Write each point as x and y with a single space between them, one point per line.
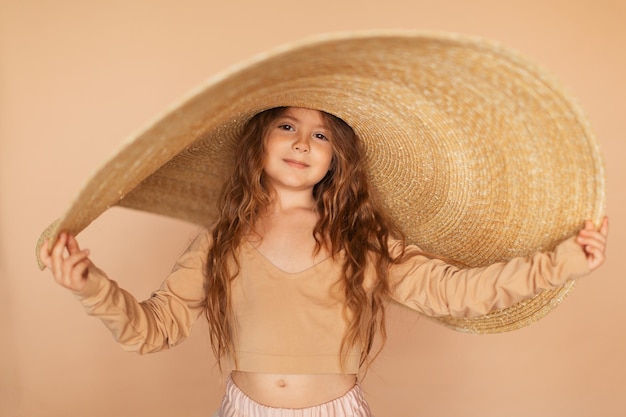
77 77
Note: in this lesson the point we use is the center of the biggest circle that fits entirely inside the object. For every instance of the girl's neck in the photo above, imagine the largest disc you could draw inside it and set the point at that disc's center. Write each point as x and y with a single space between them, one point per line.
287 212
284 202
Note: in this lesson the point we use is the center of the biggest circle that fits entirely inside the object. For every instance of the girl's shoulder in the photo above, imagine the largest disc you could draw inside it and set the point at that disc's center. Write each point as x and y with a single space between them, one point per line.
200 242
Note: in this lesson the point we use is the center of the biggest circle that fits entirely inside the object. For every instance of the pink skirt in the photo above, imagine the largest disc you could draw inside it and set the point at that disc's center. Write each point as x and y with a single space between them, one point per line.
238 404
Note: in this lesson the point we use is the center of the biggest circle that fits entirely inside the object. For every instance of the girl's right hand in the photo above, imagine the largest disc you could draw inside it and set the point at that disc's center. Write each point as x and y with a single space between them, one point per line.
69 268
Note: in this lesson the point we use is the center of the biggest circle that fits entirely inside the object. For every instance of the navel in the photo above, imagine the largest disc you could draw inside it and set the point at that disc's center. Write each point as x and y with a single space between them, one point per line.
281 383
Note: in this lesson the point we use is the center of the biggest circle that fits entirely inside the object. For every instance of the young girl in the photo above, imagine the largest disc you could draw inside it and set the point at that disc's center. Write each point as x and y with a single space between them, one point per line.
295 274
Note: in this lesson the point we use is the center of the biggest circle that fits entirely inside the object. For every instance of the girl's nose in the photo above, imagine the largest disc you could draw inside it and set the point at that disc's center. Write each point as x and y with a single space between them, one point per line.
301 144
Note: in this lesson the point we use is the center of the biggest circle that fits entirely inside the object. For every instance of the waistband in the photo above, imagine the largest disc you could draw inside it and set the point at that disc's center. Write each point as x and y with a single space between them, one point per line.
237 404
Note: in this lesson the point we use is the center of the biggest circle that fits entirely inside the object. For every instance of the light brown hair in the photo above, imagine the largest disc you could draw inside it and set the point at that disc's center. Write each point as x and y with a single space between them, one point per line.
349 220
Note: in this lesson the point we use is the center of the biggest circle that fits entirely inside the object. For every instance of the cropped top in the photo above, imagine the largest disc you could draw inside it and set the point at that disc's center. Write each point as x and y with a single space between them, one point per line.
293 323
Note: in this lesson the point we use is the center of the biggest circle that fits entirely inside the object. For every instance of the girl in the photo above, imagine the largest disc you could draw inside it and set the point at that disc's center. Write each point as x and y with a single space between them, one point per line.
294 275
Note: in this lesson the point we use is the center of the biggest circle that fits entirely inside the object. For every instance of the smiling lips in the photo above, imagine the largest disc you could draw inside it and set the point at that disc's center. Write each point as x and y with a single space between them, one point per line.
295 164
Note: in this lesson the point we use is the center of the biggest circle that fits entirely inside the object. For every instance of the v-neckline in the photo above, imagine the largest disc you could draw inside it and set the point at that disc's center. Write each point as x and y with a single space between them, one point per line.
272 265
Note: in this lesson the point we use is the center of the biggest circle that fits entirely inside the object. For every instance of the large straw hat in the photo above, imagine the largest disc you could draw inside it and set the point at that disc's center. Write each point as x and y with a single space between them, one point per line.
477 153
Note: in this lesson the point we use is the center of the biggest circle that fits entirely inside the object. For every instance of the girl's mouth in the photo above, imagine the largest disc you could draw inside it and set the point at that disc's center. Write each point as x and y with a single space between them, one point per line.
295 164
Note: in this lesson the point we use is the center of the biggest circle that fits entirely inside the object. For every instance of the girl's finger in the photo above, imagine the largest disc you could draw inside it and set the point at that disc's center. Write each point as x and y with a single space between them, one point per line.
71 262
57 256
595 256
44 255
592 234
78 276
604 227
602 230
589 242
72 244
589 231
81 273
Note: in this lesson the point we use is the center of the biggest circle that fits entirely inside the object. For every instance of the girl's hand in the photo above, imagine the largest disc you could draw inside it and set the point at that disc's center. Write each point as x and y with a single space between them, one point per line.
593 242
70 267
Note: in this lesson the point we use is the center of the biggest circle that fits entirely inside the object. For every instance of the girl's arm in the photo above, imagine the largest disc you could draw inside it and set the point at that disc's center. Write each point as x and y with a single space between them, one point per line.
162 321
436 288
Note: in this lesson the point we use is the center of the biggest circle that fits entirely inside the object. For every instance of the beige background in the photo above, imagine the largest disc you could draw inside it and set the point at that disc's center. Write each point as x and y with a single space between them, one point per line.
76 77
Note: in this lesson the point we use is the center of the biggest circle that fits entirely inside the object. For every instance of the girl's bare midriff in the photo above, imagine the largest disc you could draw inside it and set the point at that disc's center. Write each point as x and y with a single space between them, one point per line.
293 391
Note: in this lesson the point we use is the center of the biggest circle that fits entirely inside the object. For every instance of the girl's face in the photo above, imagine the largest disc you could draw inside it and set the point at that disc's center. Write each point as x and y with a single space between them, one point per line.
298 150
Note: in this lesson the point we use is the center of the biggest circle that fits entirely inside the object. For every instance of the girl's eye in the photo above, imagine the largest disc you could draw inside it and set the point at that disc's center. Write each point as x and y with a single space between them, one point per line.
286 127
320 136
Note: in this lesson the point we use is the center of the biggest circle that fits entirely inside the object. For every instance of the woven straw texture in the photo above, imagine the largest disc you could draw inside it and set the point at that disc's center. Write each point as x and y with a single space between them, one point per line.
478 154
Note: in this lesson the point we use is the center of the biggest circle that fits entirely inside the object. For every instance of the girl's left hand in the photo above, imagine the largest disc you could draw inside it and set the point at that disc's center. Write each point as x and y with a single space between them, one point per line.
593 242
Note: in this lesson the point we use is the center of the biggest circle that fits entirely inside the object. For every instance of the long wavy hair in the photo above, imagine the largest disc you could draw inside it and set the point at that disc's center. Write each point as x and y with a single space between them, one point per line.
348 220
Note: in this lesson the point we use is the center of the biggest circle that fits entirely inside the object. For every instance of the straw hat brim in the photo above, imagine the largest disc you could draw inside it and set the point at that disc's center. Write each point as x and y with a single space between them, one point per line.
477 153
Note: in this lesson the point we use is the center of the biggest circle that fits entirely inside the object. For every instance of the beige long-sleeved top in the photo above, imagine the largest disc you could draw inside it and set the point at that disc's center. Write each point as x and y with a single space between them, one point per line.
294 322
